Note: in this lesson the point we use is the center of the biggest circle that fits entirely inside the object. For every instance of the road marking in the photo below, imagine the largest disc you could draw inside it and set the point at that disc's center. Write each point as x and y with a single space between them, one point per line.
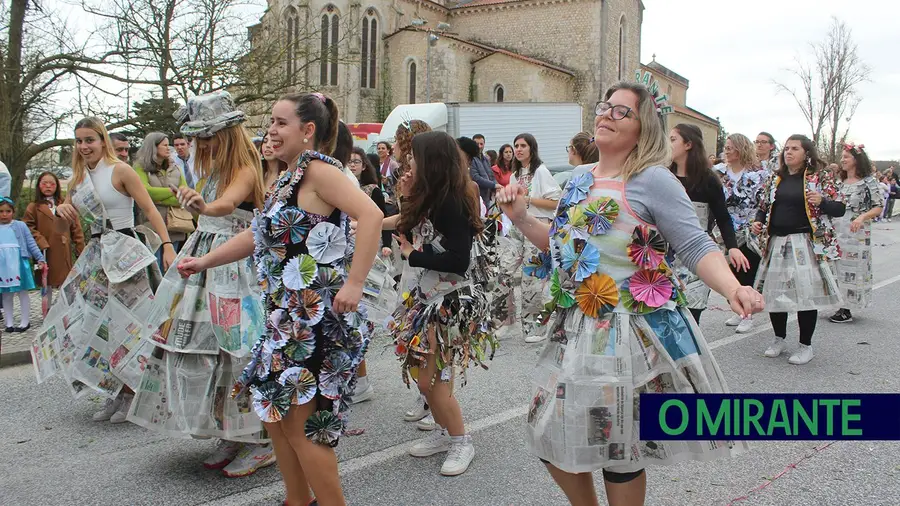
274 489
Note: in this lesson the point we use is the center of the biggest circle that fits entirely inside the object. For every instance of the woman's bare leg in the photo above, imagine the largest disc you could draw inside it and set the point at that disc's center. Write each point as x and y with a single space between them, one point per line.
319 462
295 485
579 488
439 394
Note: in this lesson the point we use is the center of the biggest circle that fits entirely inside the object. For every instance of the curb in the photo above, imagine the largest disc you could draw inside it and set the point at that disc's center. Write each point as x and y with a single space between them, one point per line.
15 358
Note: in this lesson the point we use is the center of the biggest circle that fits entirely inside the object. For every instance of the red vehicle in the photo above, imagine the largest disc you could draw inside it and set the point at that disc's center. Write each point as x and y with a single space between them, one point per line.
361 133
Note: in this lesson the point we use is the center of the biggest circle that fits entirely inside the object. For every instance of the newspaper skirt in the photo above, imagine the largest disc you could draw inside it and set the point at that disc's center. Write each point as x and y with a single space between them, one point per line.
585 410
792 279
517 297
695 290
92 334
854 269
461 326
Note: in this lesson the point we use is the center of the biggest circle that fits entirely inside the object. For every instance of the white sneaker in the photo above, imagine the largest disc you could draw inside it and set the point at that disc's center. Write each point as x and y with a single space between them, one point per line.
777 347
426 423
225 452
734 321
122 413
110 406
363 391
417 412
459 457
802 356
745 326
250 459
436 442
536 338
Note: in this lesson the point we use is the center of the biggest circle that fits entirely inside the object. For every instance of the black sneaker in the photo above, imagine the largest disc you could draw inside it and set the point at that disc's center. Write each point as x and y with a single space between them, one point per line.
842 316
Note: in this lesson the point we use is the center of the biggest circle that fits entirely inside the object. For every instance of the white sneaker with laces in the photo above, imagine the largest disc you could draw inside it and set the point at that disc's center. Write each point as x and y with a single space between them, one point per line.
110 406
417 412
460 455
122 413
251 458
745 326
225 452
363 391
436 442
426 423
777 347
734 321
802 356
536 338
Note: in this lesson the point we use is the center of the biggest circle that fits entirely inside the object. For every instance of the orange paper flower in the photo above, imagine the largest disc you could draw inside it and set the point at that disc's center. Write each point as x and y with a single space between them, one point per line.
598 293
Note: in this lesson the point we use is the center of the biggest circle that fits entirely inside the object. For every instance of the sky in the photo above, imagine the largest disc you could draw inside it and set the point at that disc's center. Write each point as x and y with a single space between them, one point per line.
731 52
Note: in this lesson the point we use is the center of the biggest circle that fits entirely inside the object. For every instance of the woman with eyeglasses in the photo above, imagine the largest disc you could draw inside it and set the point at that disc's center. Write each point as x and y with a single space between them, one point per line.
582 150
766 152
796 234
618 323
518 300
742 185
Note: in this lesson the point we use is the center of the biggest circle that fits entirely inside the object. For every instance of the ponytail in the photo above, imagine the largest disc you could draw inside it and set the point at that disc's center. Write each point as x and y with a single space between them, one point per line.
323 112
327 139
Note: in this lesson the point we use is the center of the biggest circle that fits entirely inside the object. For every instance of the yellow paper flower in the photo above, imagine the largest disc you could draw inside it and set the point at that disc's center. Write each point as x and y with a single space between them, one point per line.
597 294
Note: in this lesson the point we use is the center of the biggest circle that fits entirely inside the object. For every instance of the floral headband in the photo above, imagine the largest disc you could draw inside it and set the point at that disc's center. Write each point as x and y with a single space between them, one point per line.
853 148
661 100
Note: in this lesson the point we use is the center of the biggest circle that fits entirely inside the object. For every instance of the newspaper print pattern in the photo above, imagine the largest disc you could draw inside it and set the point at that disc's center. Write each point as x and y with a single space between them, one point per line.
454 307
205 324
91 335
854 269
793 278
610 341
742 198
695 290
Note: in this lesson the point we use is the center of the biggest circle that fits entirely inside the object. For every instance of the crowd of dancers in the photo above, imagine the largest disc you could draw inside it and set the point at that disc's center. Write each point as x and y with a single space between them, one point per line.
256 333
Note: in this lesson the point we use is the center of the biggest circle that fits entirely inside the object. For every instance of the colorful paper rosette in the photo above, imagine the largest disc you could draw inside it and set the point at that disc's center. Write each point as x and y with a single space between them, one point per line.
324 427
539 266
577 189
327 283
306 306
299 383
597 295
648 248
289 225
337 369
268 273
599 215
299 272
270 401
326 243
645 291
561 297
302 344
580 258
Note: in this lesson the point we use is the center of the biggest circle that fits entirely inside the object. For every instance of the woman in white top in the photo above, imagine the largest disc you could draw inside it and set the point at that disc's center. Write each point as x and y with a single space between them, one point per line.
518 299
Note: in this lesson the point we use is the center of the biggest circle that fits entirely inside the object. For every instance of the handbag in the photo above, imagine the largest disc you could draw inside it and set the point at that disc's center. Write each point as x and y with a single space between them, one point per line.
179 220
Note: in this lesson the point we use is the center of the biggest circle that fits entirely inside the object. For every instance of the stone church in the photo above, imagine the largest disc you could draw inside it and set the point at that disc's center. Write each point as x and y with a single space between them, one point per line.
375 54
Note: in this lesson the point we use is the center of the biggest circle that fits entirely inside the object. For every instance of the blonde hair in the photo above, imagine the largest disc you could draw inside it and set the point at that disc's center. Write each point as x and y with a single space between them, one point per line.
79 166
653 146
235 152
746 151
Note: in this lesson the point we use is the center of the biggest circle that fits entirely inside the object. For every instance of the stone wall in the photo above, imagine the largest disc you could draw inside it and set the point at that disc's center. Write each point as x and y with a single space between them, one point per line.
521 81
710 132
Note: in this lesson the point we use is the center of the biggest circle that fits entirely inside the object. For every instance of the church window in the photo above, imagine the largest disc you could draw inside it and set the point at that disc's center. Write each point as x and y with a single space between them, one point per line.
412 82
328 55
292 36
621 63
499 93
368 66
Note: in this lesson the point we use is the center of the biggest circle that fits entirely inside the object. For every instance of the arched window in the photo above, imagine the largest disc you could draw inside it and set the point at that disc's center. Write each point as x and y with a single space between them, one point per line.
621 64
368 65
328 54
412 82
499 93
292 36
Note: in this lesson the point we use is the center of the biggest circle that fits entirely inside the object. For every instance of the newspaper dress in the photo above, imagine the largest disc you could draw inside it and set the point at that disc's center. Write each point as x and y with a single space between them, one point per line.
92 334
695 290
618 328
308 353
455 306
854 269
204 326
742 197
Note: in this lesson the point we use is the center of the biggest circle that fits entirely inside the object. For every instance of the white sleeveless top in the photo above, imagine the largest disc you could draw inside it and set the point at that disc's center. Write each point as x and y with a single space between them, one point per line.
119 208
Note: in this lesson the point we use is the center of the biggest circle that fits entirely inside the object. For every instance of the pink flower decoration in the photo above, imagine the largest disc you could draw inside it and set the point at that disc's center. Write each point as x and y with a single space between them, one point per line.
650 287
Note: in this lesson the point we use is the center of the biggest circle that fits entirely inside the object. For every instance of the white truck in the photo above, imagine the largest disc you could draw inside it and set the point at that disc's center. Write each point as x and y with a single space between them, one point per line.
552 124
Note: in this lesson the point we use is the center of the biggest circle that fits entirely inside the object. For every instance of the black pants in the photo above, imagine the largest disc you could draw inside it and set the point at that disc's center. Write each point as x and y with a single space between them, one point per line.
806 319
747 278
696 314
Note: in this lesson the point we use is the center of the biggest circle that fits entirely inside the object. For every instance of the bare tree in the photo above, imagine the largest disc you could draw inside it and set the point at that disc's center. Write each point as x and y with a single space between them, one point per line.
828 86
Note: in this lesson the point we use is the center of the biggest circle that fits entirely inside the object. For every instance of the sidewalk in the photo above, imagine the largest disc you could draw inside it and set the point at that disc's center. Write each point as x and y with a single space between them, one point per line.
14 347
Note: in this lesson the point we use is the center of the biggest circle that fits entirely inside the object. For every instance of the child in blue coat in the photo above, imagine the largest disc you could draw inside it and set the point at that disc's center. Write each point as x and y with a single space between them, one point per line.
17 249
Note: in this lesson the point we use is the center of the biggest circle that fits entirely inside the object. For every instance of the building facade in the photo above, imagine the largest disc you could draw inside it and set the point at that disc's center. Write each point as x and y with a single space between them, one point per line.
372 55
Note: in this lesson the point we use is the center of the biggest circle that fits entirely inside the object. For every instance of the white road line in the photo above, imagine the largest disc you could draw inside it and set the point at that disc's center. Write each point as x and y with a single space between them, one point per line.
274 489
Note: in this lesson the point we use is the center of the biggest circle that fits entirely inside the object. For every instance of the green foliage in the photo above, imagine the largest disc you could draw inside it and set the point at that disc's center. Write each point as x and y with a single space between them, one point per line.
153 115
720 139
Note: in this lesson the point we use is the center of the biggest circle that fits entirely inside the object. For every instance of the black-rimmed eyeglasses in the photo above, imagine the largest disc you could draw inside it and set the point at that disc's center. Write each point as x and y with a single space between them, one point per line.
618 111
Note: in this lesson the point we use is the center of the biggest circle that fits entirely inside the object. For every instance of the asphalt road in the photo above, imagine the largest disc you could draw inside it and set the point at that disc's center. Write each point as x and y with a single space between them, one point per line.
52 453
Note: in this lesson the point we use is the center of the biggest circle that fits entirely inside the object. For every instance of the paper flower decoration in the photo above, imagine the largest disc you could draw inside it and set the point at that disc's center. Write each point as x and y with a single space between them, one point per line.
539 266
559 222
336 372
597 295
299 272
599 215
270 401
647 248
326 243
268 273
300 383
327 284
577 189
561 297
301 346
324 427
289 225
356 319
650 288
306 306
580 258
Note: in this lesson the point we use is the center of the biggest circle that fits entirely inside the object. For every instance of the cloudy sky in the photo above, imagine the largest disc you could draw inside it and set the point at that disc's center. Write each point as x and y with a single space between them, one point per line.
731 52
